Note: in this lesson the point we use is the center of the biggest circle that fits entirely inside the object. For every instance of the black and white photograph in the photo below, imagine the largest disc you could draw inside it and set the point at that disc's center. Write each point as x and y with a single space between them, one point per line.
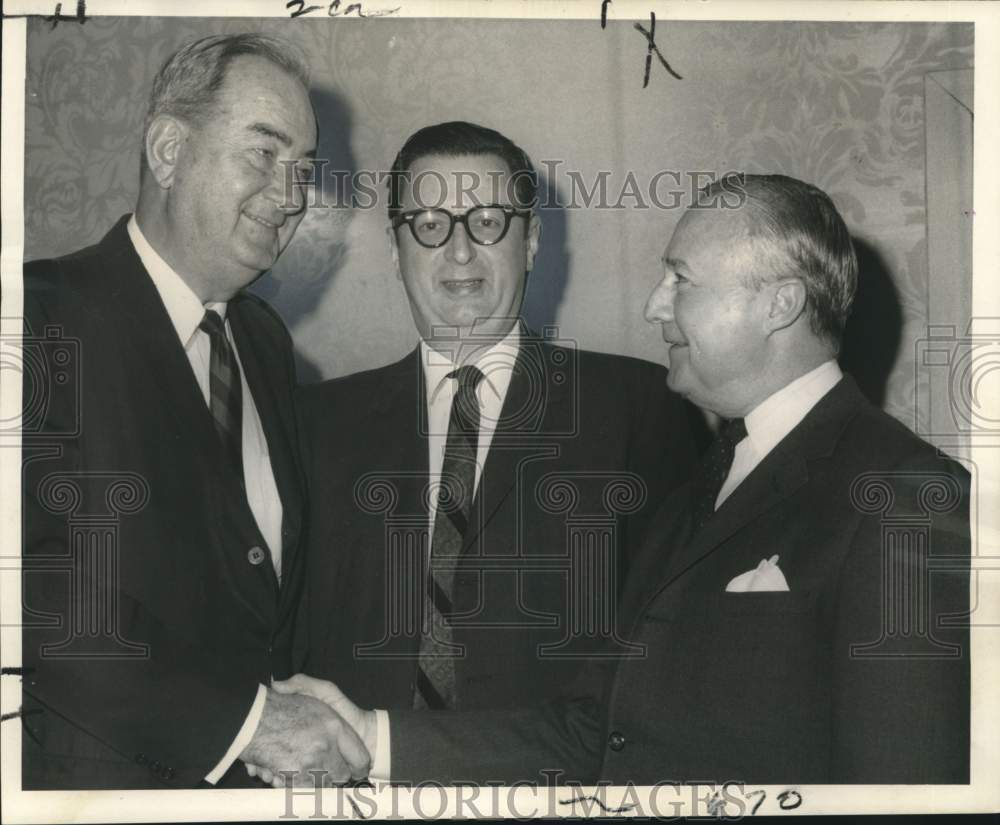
499 409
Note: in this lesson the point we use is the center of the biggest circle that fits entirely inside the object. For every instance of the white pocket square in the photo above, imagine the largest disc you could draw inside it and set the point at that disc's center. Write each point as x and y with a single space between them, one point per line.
766 577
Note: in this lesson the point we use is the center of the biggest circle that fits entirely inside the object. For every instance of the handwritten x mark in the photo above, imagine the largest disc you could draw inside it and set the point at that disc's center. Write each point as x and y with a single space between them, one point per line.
652 49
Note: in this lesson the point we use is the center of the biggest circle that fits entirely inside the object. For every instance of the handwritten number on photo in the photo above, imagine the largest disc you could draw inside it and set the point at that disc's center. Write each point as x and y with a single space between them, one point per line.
298 8
789 800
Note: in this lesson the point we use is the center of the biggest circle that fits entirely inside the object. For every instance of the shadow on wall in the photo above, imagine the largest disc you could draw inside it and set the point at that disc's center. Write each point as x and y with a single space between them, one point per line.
874 330
550 273
303 274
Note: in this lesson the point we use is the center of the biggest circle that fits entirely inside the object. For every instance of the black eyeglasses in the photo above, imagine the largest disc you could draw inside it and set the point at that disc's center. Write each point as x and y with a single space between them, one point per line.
486 225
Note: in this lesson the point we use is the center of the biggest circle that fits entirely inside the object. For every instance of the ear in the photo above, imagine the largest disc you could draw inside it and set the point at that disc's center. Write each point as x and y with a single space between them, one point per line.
788 302
164 143
534 234
394 250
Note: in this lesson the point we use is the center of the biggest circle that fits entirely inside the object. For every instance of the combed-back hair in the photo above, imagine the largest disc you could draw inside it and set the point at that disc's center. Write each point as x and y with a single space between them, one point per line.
188 82
800 234
456 138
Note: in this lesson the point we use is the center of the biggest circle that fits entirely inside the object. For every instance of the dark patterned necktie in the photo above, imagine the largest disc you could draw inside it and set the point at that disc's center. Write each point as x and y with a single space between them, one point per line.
225 389
715 467
435 686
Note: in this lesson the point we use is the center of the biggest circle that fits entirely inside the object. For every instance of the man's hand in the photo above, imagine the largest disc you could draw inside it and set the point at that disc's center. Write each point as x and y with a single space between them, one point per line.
362 721
299 732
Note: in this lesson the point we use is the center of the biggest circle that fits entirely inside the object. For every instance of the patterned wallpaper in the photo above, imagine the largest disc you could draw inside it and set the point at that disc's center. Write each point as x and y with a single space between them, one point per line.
840 105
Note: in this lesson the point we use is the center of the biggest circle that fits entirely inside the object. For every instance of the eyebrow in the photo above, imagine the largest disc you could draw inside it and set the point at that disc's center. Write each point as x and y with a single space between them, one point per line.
278 135
673 263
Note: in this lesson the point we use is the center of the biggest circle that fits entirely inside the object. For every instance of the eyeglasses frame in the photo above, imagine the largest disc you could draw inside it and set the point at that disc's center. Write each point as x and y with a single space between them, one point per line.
509 212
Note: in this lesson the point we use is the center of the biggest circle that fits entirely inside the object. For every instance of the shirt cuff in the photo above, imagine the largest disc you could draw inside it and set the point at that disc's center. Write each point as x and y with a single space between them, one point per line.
243 738
382 758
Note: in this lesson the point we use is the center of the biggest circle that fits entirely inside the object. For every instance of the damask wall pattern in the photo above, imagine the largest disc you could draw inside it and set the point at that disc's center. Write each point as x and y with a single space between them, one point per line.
839 105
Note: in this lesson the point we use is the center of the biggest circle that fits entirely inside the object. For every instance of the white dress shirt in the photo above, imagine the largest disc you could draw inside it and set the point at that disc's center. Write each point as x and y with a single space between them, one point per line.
186 312
497 364
774 418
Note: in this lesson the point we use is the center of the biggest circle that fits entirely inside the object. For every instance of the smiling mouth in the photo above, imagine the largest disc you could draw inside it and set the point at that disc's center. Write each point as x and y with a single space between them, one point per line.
466 286
261 221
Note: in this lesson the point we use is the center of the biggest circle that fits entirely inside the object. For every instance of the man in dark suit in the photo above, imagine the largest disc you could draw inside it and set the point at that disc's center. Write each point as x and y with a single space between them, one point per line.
518 526
163 496
802 605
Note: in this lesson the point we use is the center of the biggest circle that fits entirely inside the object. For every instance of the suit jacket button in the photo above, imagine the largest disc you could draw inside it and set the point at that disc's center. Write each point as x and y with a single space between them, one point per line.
616 741
140 759
169 773
255 555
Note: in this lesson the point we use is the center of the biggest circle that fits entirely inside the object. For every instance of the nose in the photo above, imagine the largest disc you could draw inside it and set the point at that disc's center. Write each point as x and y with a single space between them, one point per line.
285 190
660 305
460 247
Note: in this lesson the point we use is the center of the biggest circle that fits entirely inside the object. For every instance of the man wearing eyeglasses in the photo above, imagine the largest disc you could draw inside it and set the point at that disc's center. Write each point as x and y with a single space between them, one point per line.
476 503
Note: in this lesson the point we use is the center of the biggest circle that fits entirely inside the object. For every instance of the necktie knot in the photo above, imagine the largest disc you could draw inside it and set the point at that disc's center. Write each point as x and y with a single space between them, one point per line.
468 378
715 467
465 405
733 431
212 323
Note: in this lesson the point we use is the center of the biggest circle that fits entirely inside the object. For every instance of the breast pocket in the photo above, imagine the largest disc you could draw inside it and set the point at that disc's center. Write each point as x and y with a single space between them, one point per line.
753 632
765 603
710 608
743 660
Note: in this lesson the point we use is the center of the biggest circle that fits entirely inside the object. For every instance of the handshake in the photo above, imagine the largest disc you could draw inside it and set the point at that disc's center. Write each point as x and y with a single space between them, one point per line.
310 734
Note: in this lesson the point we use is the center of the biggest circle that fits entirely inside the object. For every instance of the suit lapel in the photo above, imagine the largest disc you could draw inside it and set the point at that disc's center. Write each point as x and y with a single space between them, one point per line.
534 405
783 471
159 357
157 354
400 409
771 482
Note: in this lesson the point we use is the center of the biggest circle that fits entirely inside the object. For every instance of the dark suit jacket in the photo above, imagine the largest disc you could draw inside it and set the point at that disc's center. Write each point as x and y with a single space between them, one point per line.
858 674
148 625
587 447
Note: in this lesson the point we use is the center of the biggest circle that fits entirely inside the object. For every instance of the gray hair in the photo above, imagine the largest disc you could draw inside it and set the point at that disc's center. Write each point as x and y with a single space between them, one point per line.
187 84
800 234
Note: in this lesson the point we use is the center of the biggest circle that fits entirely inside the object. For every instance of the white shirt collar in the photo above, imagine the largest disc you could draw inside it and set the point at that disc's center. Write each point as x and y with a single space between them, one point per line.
183 306
775 417
496 364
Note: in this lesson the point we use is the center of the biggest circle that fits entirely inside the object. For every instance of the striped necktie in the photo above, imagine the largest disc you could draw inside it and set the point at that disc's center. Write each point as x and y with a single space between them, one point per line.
225 389
435 686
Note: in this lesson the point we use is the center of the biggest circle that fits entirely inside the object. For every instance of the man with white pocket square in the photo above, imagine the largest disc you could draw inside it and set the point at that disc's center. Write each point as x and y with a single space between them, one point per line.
801 607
